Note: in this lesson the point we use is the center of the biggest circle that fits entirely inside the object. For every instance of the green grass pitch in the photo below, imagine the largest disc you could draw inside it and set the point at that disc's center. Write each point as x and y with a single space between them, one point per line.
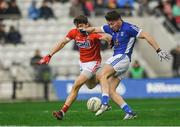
152 112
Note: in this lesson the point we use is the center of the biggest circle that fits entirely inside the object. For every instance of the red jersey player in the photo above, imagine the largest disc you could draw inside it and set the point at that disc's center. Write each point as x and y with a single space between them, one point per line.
90 59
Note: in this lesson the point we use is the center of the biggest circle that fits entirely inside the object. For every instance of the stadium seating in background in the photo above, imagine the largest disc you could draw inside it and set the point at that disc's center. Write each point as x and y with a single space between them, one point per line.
33 11
13 36
9 9
46 11
175 52
169 9
2 34
40 34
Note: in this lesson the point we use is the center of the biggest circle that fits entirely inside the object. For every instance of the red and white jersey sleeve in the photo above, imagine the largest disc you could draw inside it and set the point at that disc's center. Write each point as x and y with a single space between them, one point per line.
71 34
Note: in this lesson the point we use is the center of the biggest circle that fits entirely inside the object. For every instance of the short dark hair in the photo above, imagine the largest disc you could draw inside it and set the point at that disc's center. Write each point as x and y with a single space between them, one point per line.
80 19
112 15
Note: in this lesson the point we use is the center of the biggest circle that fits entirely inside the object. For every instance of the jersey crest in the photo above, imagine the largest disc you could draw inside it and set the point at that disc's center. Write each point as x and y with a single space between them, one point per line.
83 44
122 34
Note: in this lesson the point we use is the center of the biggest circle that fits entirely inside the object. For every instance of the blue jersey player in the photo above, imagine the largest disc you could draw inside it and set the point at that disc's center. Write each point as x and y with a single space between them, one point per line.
123 35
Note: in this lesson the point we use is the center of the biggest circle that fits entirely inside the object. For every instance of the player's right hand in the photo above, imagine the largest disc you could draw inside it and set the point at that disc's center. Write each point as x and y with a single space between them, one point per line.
163 55
45 59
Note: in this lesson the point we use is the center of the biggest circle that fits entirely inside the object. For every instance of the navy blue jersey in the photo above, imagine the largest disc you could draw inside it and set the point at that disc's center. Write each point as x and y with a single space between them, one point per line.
124 39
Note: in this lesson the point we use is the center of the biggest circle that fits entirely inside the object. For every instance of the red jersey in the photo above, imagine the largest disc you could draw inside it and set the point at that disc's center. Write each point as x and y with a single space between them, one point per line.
89 46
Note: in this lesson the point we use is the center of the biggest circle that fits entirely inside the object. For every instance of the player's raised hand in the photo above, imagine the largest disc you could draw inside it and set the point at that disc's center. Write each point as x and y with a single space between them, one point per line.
45 59
163 55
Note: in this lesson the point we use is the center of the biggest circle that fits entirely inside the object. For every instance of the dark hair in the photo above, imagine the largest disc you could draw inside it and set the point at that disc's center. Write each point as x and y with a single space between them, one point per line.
80 19
112 15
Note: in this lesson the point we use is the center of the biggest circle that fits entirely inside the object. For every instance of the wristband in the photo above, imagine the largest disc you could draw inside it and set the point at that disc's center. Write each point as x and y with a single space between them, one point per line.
158 50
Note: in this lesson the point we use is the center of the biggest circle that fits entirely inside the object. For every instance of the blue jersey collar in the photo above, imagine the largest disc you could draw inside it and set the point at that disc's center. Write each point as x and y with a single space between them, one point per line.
121 26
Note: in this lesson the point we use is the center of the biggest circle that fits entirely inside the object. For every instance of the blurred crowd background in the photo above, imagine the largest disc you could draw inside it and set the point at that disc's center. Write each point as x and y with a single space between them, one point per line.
30 28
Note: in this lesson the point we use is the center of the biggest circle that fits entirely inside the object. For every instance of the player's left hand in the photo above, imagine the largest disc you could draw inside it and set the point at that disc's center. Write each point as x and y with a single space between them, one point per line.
163 55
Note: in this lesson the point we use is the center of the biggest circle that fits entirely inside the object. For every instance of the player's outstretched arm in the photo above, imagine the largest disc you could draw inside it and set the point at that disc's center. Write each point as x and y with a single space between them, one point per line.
46 59
59 46
149 39
93 30
162 54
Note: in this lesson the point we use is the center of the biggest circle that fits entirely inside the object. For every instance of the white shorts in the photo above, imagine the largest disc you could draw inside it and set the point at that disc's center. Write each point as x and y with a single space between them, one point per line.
89 68
120 63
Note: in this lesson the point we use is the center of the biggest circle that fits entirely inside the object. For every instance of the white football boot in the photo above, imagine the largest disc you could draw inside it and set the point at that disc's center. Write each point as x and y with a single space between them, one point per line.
130 116
102 109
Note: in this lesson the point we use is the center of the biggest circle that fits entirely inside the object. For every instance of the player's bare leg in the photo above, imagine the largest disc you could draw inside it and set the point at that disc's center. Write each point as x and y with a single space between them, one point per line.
72 96
107 71
114 81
